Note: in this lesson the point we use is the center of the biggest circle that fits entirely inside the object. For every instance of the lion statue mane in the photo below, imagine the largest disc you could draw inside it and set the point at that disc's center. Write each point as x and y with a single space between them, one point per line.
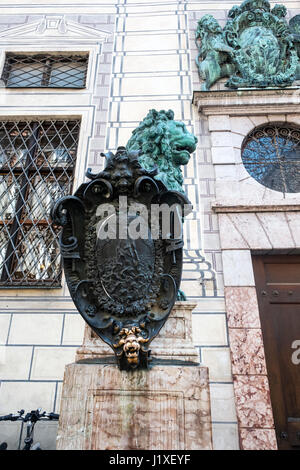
164 144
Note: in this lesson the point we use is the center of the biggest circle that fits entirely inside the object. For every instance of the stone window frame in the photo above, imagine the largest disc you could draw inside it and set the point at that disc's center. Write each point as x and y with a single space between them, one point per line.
231 117
43 49
85 116
85 41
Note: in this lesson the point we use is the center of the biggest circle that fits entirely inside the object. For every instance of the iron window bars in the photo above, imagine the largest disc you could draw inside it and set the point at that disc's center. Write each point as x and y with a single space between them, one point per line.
37 160
271 155
44 71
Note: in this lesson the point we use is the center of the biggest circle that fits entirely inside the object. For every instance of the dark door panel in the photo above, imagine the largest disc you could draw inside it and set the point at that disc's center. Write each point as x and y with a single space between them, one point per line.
278 288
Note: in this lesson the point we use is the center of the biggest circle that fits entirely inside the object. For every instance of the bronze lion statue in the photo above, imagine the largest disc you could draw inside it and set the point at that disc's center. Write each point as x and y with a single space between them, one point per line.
214 59
165 144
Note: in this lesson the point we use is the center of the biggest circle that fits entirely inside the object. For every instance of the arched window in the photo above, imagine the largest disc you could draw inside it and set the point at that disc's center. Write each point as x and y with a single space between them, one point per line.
271 155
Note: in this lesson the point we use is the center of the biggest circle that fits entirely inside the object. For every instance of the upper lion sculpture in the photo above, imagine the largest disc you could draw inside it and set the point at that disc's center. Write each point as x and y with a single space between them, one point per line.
165 144
215 53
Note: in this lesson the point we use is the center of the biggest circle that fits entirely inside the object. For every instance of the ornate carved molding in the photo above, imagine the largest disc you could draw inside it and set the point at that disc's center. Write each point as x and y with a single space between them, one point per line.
56 29
226 209
247 102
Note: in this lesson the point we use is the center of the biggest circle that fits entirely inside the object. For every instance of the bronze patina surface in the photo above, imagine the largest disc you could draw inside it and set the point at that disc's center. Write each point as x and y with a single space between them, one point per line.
124 285
257 47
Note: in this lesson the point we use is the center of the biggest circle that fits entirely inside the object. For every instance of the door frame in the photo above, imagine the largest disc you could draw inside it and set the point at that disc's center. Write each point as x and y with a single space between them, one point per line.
250 377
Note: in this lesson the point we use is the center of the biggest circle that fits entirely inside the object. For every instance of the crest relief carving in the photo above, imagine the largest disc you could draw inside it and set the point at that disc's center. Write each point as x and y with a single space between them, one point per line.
257 47
122 266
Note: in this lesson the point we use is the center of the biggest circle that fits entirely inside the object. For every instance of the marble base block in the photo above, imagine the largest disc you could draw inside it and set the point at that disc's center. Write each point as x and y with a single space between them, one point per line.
166 407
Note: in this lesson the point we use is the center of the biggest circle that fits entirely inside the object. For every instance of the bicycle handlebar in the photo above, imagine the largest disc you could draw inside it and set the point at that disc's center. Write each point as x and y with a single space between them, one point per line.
53 416
8 418
34 416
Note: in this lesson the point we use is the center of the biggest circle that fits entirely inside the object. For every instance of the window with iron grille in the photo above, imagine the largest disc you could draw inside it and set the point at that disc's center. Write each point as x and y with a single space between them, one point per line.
37 160
44 71
271 155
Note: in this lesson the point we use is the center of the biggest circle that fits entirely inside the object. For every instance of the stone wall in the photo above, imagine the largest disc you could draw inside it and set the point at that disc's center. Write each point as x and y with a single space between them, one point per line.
252 219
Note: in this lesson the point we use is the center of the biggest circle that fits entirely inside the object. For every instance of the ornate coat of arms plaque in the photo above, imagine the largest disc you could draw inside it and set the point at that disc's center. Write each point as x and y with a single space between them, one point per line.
256 48
122 266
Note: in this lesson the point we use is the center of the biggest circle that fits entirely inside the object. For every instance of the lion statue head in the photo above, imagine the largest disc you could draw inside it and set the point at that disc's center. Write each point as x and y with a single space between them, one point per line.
208 26
165 144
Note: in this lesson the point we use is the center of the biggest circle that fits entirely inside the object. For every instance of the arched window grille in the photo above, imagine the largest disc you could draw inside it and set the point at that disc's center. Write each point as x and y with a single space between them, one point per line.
271 155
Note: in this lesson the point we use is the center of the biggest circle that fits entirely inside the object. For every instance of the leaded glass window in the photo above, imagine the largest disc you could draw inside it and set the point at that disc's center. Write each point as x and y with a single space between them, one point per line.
45 71
37 161
271 155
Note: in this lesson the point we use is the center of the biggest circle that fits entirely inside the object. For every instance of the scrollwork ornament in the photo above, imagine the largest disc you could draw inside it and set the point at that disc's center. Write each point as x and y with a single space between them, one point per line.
124 287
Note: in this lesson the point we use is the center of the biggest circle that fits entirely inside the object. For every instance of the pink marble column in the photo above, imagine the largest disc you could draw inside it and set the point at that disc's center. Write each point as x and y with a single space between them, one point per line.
250 379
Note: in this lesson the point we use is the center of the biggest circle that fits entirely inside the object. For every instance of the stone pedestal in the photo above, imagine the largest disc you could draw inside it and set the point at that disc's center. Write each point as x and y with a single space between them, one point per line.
174 340
165 407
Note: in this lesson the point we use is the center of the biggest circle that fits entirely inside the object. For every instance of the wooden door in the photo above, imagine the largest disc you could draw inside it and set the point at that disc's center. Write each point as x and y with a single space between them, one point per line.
278 289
